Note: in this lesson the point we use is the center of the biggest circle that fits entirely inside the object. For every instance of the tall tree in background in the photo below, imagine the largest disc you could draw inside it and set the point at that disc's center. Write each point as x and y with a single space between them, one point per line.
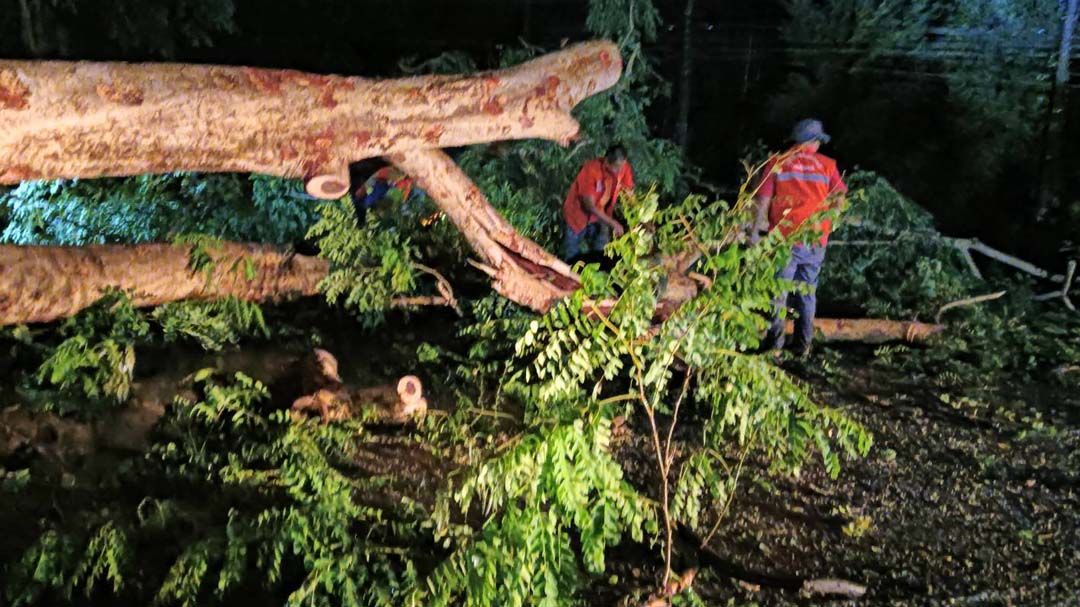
1052 183
996 60
969 81
686 77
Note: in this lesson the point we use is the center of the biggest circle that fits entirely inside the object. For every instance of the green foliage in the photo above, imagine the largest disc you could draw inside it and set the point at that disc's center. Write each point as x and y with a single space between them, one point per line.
158 27
904 267
275 508
96 359
1003 86
239 495
369 264
213 324
151 208
573 371
1025 343
631 23
558 484
745 399
89 359
887 258
542 497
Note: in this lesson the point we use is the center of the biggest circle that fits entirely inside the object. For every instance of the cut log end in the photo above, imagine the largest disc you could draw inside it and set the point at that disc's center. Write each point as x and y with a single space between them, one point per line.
409 388
329 186
411 393
330 399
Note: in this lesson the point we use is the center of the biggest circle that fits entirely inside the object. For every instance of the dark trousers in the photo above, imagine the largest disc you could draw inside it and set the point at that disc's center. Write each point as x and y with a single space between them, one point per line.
805 265
593 237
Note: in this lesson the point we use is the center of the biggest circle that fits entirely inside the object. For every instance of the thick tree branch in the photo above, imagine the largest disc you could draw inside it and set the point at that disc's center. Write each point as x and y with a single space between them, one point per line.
40 284
81 119
522 270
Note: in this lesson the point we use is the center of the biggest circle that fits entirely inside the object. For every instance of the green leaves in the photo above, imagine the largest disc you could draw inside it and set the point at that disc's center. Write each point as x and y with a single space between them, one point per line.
746 402
212 324
276 507
905 268
97 357
556 483
370 264
150 208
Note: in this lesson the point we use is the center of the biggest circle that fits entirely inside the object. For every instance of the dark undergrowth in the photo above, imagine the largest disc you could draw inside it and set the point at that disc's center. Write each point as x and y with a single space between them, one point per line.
963 500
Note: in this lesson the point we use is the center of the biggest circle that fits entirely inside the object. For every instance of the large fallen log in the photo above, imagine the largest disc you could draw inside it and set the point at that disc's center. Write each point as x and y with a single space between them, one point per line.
89 120
872 330
81 119
40 284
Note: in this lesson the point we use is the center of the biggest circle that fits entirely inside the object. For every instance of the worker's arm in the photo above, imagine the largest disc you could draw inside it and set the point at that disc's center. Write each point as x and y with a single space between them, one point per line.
589 205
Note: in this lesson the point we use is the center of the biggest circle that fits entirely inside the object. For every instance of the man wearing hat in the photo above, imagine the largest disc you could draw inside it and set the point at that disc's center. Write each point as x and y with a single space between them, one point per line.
797 185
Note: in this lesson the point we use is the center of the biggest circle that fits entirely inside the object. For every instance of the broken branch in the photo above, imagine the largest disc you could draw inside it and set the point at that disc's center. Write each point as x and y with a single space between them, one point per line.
833 586
970 301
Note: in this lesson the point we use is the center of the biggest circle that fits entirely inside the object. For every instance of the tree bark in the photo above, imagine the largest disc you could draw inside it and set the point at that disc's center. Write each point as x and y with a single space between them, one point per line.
686 78
81 119
522 270
40 284
872 330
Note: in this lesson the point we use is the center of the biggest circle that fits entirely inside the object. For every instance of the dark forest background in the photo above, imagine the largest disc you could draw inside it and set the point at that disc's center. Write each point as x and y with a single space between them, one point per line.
950 101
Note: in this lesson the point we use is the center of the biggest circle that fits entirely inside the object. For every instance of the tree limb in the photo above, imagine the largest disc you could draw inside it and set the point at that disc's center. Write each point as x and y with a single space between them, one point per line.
40 284
82 119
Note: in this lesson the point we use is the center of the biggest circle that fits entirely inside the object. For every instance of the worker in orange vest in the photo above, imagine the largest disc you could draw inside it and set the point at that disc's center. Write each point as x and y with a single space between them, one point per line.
798 185
589 207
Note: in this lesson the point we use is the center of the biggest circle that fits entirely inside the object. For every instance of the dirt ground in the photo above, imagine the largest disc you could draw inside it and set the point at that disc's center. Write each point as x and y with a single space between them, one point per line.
961 501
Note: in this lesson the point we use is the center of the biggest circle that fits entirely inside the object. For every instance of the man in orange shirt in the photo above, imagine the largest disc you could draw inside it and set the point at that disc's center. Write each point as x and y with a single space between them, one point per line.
798 185
589 207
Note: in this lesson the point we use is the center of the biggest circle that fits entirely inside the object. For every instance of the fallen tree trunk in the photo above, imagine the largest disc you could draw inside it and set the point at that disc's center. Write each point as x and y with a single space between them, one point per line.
40 284
128 428
872 330
88 120
81 119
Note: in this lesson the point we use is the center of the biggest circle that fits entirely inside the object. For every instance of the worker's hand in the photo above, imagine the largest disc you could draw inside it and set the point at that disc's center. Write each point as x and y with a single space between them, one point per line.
617 230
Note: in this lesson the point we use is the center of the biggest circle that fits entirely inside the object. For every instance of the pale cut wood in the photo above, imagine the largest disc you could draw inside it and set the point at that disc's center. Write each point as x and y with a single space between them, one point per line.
81 119
872 330
834 587
328 396
40 284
